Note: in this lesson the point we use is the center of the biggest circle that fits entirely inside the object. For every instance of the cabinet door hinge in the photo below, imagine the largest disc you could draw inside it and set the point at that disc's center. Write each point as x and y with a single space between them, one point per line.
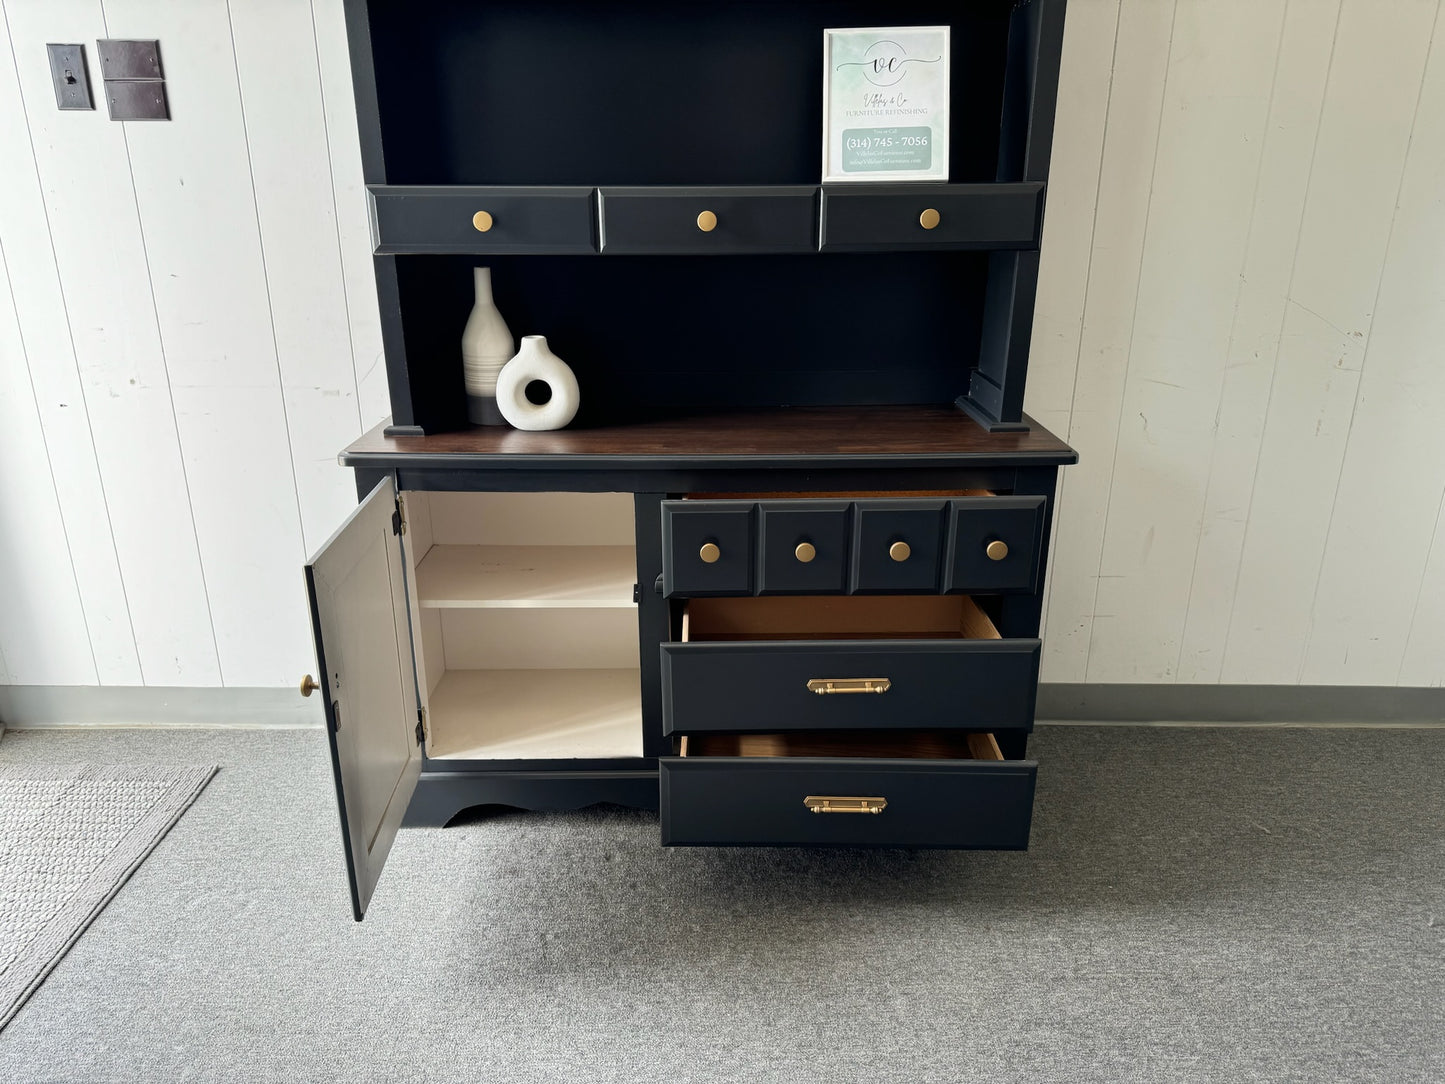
420 725
398 518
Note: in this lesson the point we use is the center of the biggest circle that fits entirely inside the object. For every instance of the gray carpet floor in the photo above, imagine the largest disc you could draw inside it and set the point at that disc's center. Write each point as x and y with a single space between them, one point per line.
1212 905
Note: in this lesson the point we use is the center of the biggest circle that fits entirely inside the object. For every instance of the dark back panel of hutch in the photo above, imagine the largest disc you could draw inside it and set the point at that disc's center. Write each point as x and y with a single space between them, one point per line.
530 93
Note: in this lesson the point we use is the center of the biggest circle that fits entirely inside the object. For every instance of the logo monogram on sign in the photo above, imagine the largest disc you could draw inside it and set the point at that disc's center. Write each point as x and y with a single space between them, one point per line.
886 62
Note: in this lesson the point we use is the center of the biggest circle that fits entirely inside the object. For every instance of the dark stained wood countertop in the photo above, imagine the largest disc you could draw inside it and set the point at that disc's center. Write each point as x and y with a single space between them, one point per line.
868 436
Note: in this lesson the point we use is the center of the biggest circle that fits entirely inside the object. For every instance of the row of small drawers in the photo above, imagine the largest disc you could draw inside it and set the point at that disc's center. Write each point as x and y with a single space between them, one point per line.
870 546
702 221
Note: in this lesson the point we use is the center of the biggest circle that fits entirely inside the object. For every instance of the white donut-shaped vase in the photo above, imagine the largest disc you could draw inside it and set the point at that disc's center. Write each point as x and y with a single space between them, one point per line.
535 362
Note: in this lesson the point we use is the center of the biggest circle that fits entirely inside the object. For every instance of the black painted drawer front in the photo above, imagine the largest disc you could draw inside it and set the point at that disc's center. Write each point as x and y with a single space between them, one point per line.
688 529
897 546
639 221
976 525
804 547
963 216
756 686
930 803
520 220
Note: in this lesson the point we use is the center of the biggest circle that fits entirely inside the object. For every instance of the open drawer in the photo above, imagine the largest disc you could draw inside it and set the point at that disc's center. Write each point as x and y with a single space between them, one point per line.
893 788
845 663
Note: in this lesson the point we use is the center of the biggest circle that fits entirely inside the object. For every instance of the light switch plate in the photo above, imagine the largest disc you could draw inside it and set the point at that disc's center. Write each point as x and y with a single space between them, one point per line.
137 99
125 58
67 71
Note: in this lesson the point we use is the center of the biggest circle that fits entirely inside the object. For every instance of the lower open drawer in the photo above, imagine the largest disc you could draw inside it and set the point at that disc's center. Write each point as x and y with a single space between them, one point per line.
855 789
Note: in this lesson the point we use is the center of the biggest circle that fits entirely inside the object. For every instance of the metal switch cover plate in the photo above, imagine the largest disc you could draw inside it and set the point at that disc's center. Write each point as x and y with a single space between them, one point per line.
137 99
123 58
67 70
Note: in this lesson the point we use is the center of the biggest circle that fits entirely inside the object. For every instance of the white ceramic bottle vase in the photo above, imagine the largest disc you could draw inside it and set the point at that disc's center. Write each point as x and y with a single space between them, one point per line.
536 364
486 347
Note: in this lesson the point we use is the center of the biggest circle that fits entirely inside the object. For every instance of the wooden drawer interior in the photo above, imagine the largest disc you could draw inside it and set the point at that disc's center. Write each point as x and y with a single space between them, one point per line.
875 744
855 617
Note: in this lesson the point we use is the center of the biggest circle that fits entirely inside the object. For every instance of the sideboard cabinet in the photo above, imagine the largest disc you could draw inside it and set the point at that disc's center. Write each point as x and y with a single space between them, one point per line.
782 578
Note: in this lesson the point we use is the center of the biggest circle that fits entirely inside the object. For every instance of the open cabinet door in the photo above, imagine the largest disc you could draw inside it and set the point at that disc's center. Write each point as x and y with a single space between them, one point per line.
359 617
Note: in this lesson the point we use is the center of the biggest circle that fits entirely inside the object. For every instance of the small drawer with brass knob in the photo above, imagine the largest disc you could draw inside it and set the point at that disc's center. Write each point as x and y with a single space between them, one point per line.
707 547
863 218
897 546
802 547
483 219
994 544
702 221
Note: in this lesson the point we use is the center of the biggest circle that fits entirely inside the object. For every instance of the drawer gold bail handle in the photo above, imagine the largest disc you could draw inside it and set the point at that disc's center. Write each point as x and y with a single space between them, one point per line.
707 221
829 686
482 220
709 553
830 803
997 550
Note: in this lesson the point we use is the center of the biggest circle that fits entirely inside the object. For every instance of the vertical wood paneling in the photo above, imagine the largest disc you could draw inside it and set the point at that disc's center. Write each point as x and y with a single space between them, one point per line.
40 311
1384 520
197 208
291 171
42 624
353 225
1222 221
1365 128
1274 225
1140 60
99 251
1423 662
1085 76
1221 67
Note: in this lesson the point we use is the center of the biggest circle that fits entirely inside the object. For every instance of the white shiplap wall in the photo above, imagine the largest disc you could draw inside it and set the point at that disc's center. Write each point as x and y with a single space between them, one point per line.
1241 305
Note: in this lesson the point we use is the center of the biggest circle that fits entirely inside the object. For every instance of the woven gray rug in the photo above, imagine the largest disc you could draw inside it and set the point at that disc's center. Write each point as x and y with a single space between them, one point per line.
69 838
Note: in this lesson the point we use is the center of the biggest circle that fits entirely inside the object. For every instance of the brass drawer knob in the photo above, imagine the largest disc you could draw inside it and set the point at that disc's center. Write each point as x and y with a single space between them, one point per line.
805 552
928 219
308 685
482 221
707 221
709 553
900 551
997 550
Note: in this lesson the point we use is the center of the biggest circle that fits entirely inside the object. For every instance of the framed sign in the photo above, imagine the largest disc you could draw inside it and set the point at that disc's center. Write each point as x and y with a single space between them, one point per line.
885 104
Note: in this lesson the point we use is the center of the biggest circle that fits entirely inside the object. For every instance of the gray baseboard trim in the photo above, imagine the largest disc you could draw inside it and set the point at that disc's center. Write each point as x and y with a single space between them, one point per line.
29 707
1242 705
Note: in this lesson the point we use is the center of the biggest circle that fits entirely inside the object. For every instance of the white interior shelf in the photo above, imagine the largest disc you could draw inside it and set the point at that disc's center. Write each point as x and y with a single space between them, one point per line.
527 577
536 714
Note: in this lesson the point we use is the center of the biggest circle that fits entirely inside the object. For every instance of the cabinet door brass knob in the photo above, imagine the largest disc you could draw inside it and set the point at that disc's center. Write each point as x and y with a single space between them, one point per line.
928 219
997 550
805 552
482 221
707 222
709 553
308 685
900 551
